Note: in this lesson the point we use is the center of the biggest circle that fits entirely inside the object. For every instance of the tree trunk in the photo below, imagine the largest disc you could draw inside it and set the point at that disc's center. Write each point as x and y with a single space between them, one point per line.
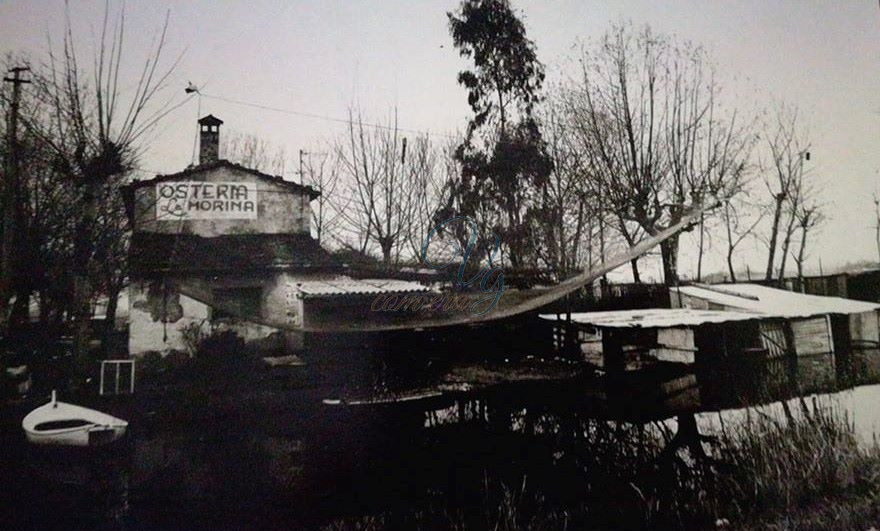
774 231
786 245
82 293
700 254
20 314
574 257
730 265
601 228
635 268
730 244
669 254
113 292
630 240
877 236
45 312
801 255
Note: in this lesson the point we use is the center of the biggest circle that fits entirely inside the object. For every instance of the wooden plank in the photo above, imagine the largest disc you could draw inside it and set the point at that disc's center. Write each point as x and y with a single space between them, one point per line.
864 328
811 336
773 339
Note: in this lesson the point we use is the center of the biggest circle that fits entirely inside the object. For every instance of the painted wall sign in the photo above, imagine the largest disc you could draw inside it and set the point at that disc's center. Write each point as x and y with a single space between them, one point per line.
183 200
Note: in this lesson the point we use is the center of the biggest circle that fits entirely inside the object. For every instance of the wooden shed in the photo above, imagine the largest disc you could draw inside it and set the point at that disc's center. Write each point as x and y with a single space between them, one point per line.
803 324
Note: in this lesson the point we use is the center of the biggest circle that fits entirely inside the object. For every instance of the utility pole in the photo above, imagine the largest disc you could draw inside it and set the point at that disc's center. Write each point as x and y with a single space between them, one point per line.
12 209
302 179
877 223
303 201
604 282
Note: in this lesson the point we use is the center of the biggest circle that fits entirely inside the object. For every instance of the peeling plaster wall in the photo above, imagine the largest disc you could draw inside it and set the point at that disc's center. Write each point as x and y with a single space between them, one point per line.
280 210
158 317
147 330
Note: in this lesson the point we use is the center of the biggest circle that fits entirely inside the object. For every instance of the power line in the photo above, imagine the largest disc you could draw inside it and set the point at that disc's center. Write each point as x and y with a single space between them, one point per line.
346 121
349 121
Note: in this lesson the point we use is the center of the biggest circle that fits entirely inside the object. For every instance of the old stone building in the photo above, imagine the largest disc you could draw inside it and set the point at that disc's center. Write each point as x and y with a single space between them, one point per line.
240 236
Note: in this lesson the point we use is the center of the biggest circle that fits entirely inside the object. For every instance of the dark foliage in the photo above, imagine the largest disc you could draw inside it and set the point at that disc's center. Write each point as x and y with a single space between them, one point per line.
503 172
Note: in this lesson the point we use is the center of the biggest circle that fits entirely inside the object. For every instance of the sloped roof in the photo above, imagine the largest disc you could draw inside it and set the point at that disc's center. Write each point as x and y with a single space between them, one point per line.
348 286
152 252
222 163
773 302
210 120
653 318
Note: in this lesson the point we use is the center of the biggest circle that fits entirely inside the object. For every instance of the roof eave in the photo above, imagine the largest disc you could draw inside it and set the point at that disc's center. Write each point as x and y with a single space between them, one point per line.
277 179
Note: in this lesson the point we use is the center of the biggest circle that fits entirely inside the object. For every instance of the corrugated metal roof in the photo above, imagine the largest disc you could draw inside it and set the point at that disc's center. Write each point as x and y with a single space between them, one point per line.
654 318
348 286
773 302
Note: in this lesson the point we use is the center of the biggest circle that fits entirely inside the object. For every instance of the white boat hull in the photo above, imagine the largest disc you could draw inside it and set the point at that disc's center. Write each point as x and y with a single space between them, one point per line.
77 437
63 424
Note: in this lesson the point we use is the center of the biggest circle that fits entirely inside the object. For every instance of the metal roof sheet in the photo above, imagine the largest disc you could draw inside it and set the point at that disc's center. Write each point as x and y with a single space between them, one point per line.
773 302
348 286
654 318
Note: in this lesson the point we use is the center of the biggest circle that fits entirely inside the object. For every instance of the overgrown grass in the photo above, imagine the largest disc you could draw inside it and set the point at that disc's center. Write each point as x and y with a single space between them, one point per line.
804 470
514 509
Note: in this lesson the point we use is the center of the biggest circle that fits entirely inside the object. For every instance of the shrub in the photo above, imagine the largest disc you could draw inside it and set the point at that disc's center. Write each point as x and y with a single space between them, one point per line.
192 335
221 346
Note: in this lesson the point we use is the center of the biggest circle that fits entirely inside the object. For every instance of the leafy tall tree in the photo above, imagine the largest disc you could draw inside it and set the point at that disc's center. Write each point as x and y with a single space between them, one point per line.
504 161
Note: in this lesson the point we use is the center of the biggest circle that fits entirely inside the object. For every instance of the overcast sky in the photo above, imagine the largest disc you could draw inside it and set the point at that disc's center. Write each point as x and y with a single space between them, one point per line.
320 57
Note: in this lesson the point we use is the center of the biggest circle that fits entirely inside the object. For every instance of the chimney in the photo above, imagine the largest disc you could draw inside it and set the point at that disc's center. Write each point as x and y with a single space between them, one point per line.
209 139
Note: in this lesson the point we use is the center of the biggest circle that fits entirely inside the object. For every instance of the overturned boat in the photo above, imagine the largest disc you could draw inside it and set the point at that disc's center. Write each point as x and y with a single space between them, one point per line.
63 424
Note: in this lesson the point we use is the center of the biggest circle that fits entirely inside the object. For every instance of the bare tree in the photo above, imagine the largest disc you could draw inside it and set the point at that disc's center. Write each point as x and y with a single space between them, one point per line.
320 173
254 152
788 150
647 115
432 169
94 133
381 172
315 168
567 203
808 216
794 202
739 223
632 234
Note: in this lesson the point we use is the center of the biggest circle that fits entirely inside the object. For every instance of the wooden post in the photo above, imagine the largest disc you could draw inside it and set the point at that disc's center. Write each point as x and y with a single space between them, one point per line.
724 342
612 352
830 340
